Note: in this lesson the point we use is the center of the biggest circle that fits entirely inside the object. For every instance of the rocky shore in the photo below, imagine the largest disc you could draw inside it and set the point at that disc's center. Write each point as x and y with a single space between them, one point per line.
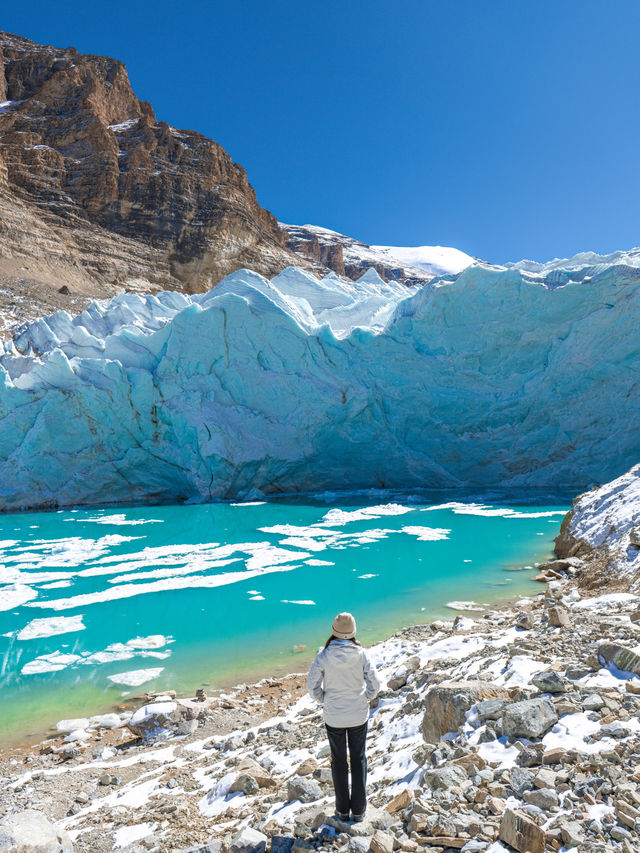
517 730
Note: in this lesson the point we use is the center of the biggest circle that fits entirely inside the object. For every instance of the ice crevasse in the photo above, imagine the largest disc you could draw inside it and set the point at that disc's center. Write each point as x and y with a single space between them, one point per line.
522 376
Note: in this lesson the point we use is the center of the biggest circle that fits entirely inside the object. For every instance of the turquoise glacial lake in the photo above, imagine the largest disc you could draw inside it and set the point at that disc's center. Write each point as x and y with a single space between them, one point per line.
100 604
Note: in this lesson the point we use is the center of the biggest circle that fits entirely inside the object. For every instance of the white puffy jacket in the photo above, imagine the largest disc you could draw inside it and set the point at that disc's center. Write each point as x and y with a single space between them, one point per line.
343 681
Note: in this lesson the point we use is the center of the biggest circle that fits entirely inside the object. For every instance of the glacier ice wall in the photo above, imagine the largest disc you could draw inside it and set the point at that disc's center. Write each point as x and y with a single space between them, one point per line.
518 377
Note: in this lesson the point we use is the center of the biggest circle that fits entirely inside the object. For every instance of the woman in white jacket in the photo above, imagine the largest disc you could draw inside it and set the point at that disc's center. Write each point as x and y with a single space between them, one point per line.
343 681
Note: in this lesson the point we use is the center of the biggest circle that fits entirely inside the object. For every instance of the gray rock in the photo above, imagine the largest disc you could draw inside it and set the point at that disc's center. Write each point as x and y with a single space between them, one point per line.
304 789
474 846
207 847
29 831
186 727
530 718
521 780
572 833
531 755
150 720
593 702
446 705
322 774
491 709
244 784
543 798
248 841
281 844
359 844
374 819
445 777
549 682
559 617
619 833
524 621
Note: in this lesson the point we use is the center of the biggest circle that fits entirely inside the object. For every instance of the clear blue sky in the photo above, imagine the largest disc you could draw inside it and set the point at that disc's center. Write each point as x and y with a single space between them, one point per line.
504 128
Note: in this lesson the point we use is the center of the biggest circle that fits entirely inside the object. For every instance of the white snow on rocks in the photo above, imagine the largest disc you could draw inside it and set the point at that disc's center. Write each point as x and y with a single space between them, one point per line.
607 520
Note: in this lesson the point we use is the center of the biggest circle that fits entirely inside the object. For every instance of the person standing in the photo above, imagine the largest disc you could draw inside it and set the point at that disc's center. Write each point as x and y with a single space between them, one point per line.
343 680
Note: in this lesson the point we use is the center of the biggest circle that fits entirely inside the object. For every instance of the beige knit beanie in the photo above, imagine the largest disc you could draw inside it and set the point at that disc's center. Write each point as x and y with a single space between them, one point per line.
344 626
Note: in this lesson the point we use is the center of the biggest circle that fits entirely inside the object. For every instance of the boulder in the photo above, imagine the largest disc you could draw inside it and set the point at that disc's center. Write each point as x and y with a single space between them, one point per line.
399 802
304 789
399 678
257 771
521 833
549 682
530 718
244 784
445 777
521 780
374 819
524 621
543 798
490 709
446 705
572 833
248 841
322 774
29 831
154 718
381 842
559 617
306 767
593 702
611 654
531 755
281 844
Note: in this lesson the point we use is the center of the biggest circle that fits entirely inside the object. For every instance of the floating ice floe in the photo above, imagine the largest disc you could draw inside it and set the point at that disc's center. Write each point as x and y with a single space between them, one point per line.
51 626
136 677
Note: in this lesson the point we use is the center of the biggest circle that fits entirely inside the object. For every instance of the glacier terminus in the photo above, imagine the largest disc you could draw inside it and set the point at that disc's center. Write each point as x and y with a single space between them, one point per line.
520 376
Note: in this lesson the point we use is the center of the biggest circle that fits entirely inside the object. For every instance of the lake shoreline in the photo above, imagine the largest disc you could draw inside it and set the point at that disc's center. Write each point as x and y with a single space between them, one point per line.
232 685
174 789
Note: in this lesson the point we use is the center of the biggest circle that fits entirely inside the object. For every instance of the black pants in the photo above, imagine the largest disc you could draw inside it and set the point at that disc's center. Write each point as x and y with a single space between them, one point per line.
357 739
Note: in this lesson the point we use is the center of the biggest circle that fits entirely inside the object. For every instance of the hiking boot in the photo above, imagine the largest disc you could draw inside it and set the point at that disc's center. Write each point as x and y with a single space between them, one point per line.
343 817
358 818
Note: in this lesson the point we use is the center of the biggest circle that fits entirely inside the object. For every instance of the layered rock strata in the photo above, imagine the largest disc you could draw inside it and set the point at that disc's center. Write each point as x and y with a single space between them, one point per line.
98 195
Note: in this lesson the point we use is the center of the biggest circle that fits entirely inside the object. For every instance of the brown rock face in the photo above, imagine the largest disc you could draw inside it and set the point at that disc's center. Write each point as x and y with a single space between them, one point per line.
446 705
97 194
520 832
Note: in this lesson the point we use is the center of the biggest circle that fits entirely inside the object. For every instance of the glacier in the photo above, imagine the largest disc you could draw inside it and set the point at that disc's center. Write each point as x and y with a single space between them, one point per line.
525 376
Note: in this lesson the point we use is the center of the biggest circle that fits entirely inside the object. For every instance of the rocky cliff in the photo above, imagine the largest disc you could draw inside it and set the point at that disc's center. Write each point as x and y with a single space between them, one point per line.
97 195
349 257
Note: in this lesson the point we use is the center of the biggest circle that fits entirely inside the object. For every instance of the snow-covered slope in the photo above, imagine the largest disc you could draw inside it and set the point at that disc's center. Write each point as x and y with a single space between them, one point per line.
347 256
435 260
606 520
498 376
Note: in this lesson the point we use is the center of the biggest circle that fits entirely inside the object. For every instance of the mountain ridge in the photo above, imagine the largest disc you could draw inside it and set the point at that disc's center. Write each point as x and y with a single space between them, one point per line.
98 196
